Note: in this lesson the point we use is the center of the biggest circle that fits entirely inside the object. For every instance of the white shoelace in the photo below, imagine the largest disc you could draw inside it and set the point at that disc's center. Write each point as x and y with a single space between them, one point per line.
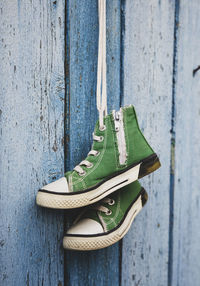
101 92
99 207
86 163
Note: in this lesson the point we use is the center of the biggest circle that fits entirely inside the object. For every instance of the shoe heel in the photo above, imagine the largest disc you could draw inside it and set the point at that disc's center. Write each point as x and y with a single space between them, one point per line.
149 165
144 197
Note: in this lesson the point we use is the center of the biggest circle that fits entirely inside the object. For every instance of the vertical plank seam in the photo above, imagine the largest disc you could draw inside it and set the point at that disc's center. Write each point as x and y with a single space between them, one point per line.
67 88
66 113
173 146
121 100
122 32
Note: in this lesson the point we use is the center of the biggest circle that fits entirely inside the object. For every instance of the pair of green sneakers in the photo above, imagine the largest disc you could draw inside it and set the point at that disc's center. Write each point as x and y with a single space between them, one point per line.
105 183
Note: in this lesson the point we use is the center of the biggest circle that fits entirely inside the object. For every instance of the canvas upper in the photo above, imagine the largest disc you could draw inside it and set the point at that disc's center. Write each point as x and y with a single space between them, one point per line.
107 162
106 215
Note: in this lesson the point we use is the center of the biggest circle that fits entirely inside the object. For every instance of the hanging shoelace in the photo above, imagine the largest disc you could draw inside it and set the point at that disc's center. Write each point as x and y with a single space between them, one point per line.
101 69
101 92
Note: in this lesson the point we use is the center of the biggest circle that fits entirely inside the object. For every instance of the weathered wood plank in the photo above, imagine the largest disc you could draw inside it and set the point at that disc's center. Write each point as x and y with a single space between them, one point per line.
148 58
31 139
186 234
97 267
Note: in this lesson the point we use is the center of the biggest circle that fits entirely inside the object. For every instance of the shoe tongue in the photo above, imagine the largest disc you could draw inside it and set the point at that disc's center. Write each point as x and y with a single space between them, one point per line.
92 214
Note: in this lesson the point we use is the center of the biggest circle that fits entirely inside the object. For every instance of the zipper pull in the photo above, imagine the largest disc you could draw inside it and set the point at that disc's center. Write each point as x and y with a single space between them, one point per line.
116 116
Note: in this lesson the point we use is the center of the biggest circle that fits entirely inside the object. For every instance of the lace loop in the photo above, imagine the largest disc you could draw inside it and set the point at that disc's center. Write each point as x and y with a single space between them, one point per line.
97 207
109 212
86 163
100 207
93 153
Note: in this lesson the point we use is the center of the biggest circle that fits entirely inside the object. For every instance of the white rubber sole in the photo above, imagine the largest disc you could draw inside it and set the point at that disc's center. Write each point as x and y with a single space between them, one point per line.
102 241
88 197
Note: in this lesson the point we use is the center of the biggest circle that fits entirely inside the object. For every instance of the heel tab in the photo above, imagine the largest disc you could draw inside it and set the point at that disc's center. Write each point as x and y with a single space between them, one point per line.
144 196
129 107
129 110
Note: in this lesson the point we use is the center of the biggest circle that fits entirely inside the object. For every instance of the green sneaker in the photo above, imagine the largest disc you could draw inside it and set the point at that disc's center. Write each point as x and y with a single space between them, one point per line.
120 155
106 222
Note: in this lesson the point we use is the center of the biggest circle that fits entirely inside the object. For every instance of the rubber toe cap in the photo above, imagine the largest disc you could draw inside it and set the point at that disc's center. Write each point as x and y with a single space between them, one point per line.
59 186
85 227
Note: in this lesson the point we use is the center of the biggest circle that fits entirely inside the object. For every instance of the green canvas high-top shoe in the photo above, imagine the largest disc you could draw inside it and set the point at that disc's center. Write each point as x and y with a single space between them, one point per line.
106 222
120 155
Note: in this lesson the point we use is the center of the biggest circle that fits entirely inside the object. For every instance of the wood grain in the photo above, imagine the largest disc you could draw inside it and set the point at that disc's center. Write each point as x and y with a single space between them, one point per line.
47 46
148 58
31 139
186 235
96 267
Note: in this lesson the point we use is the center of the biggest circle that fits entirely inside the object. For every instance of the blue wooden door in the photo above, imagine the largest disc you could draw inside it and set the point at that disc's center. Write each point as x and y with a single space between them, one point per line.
48 62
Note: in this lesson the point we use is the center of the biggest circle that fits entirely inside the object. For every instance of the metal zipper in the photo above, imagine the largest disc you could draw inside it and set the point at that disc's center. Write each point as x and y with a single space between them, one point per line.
120 134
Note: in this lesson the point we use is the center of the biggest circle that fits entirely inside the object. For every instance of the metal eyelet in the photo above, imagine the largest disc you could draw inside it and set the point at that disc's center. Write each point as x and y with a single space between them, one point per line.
109 212
97 154
101 138
90 166
103 128
112 202
82 173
